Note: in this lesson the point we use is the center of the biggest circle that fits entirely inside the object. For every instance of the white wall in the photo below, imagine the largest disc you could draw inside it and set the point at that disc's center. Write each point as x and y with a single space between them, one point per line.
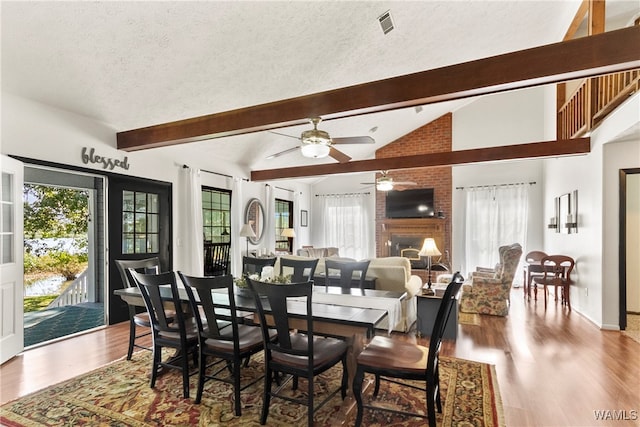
37 131
502 119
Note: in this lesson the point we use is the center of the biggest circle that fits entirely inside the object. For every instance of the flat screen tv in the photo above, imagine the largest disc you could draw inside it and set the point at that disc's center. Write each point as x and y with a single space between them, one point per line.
415 203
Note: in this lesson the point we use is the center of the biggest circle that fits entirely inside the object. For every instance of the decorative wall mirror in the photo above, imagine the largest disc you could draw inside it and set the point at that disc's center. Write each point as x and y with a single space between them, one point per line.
254 215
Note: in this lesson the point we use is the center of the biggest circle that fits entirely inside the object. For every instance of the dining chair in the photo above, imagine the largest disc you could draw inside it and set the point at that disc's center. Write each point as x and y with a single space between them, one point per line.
557 273
342 273
149 266
296 353
397 361
253 265
221 337
177 333
301 270
533 268
217 259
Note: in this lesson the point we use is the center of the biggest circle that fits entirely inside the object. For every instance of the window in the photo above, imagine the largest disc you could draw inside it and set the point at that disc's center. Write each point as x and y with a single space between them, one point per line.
216 215
140 225
284 219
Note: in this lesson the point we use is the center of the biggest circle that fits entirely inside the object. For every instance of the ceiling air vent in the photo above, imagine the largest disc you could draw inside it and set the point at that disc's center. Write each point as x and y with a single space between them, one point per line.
386 22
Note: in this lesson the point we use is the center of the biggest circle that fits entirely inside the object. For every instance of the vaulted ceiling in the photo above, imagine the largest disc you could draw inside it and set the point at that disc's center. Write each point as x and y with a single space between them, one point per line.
137 64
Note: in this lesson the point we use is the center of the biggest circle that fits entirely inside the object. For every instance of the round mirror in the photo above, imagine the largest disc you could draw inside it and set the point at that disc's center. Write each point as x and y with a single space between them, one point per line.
254 215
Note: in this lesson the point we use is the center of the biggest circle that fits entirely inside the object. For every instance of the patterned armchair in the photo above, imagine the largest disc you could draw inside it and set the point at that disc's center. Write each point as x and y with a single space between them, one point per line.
487 293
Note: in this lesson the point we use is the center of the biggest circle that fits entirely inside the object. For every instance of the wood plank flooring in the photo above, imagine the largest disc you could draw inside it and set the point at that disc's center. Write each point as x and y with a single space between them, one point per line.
554 368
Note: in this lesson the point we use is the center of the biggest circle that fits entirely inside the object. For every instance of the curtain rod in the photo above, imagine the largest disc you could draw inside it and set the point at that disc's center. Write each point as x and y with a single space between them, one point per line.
285 189
343 194
497 185
214 173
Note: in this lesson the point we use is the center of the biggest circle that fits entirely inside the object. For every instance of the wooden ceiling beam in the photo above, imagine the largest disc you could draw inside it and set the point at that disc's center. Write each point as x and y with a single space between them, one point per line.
446 158
609 52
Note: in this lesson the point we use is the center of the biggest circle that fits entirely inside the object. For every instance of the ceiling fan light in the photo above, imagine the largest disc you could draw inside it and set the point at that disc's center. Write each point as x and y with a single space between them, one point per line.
384 185
315 143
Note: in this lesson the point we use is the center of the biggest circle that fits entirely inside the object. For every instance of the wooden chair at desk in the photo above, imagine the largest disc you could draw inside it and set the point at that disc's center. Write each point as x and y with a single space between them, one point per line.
532 269
557 273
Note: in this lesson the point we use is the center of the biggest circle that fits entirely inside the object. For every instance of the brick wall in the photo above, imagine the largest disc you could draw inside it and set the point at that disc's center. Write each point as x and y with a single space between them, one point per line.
431 138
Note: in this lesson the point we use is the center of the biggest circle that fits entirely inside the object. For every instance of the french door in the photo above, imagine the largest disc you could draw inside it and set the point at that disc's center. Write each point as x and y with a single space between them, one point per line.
139 219
11 264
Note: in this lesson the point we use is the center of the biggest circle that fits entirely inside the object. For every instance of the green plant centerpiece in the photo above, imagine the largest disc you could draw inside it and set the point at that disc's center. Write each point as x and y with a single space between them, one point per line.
242 283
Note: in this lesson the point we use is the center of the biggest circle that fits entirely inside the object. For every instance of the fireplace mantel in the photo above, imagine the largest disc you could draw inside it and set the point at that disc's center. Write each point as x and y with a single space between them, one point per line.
420 228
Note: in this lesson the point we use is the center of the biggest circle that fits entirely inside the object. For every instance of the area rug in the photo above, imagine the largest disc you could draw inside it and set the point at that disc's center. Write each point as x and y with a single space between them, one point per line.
119 395
633 327
468 318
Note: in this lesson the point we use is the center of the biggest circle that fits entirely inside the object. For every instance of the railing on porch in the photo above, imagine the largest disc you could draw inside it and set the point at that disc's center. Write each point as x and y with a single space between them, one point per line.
593 100
76 293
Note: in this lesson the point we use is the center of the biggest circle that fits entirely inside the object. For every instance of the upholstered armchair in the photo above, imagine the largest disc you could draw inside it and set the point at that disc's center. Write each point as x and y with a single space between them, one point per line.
487 293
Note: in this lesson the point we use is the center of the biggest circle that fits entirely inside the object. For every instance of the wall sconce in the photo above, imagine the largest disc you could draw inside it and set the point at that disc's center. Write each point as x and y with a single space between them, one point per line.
553 223
571 223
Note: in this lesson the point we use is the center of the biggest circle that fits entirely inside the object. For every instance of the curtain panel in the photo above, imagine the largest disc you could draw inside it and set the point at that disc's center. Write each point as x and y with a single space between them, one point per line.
347 224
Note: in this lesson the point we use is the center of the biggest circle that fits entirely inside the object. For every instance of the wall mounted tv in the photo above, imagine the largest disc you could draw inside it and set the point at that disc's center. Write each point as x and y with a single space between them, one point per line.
415 203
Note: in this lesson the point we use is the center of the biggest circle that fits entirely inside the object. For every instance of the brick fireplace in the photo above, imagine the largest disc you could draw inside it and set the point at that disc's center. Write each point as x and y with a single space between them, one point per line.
392 235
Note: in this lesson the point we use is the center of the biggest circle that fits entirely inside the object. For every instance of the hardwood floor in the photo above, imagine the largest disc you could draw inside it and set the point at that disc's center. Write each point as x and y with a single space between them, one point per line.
554 368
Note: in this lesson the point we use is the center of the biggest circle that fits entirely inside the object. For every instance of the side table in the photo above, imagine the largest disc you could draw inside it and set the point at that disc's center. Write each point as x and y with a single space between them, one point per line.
428 306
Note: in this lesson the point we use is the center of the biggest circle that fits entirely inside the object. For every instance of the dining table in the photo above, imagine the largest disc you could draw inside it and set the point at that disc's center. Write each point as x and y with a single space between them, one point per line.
531 269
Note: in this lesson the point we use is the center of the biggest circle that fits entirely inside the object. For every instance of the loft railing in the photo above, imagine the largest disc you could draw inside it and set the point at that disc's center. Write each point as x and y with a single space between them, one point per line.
593 100
75 293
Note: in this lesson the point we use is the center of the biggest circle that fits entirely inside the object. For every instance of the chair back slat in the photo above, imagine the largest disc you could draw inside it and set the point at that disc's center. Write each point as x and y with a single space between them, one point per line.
147 266
444 311
301 270
253 265
347 271
212 317
277 295
157 290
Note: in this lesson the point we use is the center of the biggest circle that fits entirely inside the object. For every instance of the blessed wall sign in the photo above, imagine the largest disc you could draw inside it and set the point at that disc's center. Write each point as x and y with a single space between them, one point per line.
106 162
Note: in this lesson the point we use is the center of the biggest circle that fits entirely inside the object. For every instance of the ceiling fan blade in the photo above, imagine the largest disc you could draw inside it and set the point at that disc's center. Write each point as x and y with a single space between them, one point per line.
284 134
339 155
353 140
367 183
290 150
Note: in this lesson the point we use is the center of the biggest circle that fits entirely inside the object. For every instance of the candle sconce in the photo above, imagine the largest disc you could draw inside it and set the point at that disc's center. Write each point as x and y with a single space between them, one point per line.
567 213
553 223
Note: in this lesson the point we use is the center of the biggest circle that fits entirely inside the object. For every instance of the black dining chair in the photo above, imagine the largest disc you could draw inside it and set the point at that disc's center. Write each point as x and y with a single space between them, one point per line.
342 273
136 319
253 265
391 360
177 333
296 353
221 336
300 270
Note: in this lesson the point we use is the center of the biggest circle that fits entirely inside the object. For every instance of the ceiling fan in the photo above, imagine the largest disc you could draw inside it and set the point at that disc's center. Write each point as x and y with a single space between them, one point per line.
386 183
316 143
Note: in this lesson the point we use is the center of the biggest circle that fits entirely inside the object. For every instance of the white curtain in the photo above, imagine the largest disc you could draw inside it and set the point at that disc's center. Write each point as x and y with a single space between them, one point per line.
495 216
347 224
237 221
269 234
296 222
191 234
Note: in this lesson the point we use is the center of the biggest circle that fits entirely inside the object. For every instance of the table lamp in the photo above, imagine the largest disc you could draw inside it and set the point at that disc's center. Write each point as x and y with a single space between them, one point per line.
429 249
247 231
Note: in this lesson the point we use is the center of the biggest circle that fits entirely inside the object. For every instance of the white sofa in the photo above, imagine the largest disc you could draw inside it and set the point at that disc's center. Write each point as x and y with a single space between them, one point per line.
391 274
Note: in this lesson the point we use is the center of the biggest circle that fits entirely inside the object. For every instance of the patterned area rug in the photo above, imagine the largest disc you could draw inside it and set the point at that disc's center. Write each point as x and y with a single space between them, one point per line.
119 395
633 327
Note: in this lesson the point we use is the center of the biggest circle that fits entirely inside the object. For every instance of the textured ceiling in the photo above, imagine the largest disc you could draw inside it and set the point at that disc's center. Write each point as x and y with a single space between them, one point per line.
135 64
